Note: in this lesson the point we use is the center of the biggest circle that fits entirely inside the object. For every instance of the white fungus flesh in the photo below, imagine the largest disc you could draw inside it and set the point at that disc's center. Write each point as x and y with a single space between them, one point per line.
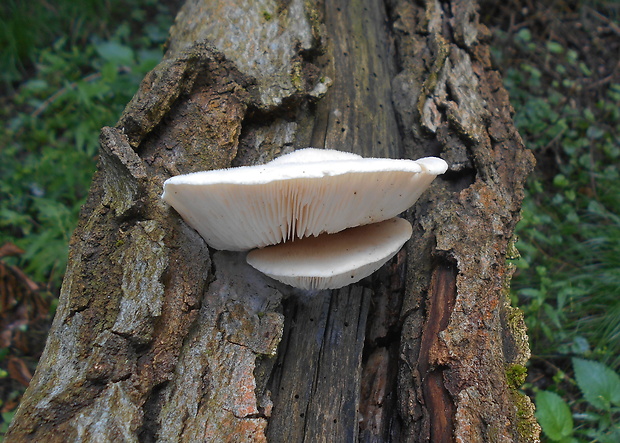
302 194
331 261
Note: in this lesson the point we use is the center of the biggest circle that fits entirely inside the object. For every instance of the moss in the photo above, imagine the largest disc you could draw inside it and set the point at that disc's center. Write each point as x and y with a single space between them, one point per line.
516 330
267 15
512 253
515 375
527 426
316 23
528 429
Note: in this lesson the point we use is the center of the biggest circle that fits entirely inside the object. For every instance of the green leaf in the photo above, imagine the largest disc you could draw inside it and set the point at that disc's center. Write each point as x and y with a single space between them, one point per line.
524 35
595 133
585 69
532 293
554 415
7 417
599 384
116 53
561 181
555 47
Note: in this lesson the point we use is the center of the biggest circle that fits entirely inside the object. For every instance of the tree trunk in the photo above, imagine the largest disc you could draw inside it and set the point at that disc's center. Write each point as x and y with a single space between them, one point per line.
159 338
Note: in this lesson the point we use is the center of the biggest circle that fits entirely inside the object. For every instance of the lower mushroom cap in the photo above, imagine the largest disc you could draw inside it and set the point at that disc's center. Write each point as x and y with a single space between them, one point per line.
331 261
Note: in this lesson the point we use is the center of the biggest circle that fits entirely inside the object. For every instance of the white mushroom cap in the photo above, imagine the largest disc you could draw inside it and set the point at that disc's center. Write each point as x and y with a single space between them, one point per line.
302 194
331 261
313 155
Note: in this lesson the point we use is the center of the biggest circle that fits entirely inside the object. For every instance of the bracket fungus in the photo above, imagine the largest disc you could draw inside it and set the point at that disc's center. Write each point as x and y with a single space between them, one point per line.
333 260
299 202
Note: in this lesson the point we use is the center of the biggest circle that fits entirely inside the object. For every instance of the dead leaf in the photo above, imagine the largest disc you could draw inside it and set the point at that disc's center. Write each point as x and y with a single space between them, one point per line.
10 250
18 370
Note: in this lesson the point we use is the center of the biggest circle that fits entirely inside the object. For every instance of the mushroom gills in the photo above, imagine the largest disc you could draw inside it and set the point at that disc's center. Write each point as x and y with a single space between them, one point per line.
302 194
331 261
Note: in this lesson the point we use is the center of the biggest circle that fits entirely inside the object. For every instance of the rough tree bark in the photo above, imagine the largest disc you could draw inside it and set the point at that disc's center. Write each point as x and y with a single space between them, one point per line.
159 338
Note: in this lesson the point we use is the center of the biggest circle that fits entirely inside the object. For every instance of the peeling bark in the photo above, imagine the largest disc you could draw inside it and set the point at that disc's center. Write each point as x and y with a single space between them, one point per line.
159 338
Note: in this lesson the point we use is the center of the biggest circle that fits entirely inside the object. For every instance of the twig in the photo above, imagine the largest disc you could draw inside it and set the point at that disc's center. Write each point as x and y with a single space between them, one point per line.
606 79
613 26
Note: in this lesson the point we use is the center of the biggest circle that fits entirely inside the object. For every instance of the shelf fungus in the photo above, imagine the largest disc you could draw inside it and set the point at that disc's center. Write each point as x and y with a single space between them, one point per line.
329 213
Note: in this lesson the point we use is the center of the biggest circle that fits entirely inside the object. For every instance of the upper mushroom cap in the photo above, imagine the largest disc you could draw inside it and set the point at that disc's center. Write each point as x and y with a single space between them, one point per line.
302 194
331 261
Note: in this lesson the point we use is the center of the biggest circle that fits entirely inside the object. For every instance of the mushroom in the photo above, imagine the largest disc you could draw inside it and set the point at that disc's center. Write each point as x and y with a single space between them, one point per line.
331 261
302 194
330 214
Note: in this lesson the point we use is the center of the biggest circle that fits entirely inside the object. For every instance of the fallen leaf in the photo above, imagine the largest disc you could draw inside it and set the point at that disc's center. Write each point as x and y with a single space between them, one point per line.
18 370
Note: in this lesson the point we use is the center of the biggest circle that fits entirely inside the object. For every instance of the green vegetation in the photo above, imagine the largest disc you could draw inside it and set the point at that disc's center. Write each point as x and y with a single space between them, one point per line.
69 90
570 233
27 27
569 275
600 387
559 66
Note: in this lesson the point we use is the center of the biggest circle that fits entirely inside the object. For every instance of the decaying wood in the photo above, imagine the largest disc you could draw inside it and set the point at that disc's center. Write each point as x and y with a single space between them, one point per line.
159 338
